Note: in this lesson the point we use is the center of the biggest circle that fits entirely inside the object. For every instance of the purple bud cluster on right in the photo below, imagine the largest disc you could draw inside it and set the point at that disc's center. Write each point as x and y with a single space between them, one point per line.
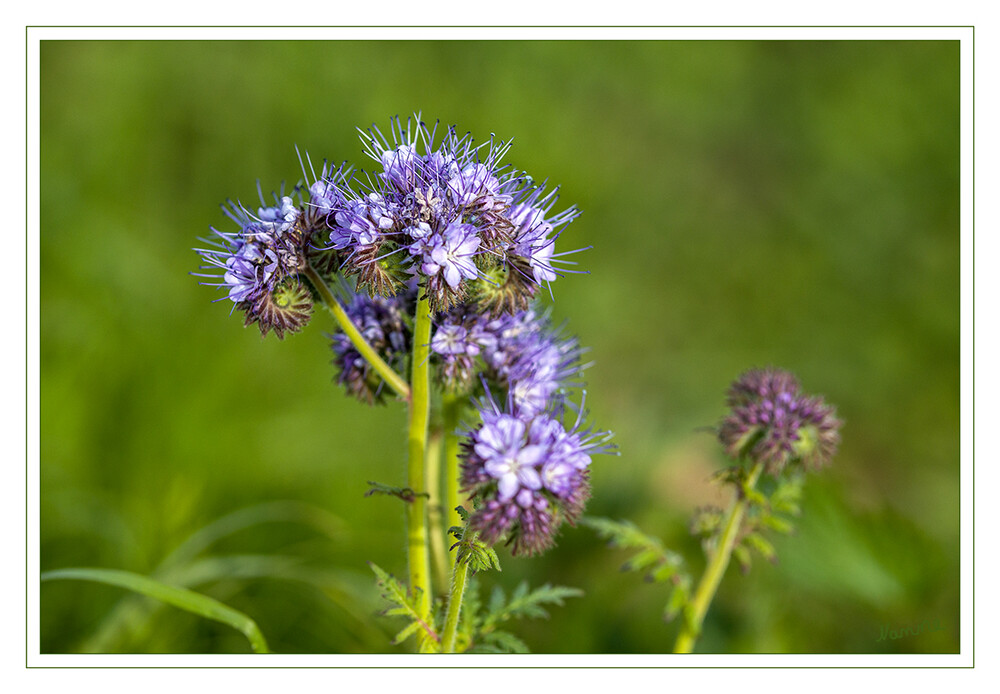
771 421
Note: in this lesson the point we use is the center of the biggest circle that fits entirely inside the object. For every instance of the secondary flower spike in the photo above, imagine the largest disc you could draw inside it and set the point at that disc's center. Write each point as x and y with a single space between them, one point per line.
772 421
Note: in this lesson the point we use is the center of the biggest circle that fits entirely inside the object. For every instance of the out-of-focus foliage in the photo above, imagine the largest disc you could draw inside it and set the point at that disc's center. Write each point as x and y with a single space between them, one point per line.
749 203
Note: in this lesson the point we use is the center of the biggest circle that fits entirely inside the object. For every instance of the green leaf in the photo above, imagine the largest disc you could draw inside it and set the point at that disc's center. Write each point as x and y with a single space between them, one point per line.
183 568
729 475
742 555
406 632
706 521
503 642
469 549
754 497
679 597
788 495
757 542
643 560
182 598
660 563
777 523
523 603
497 600
245 518
404 605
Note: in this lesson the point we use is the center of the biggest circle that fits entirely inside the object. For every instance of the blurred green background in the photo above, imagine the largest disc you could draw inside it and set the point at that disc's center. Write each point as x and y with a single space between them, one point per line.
750 203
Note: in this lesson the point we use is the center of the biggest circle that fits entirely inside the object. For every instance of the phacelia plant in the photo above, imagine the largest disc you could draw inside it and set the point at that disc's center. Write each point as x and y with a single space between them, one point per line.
432 265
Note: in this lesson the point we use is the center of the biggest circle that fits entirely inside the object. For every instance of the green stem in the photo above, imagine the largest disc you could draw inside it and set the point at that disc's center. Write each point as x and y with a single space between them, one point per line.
691 626
435 513
417 549
458 580
395 381
452 408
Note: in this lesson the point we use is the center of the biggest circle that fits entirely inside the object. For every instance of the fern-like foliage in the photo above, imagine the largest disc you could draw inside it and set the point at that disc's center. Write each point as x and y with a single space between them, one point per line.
481 630
659 564
469 549
404 603
479 624
770 507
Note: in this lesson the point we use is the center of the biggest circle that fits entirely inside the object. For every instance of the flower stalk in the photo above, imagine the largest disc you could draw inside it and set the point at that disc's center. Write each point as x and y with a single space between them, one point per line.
418 555
451 409
393 379
716 568
435 513
458 581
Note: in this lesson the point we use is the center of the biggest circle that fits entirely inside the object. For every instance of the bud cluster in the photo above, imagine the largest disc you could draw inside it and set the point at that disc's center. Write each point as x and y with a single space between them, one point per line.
773 422
529 473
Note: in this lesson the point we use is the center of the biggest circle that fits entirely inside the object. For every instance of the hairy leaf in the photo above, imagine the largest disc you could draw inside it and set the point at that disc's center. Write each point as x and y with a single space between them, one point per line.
404 604
660 563
525 603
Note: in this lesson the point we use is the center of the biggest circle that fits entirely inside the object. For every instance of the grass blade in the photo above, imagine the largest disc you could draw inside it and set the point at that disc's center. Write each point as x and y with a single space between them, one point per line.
182 598
245 518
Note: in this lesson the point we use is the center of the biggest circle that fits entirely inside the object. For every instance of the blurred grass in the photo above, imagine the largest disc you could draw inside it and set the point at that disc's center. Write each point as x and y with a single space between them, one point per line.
749 203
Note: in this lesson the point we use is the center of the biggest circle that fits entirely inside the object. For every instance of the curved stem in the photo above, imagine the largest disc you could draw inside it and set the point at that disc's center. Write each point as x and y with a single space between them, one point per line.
418 555
395 381
458 580
451 409
691 626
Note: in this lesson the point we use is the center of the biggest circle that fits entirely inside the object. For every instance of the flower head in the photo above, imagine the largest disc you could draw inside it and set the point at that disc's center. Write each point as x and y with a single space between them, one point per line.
520 353
260 263
528 473
772 422
447 256
438 206
449 212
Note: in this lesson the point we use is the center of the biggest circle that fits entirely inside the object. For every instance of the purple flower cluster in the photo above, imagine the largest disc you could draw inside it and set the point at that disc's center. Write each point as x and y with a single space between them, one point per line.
520 353
383 323
528 473
772 422
524 469
448 212
444 217
260 266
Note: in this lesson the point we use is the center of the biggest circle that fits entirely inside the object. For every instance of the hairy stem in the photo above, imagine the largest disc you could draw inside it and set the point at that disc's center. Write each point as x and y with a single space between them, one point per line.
395 381
452 408
435 514
691 625
418 554
458 579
